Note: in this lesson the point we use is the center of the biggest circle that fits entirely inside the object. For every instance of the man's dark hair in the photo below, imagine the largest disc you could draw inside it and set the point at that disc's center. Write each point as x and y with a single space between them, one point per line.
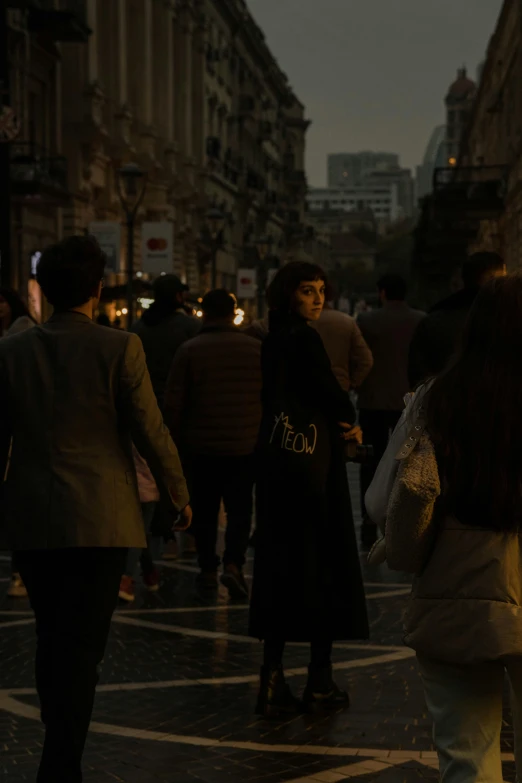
477 268
394 286
70 272
282 289
219 305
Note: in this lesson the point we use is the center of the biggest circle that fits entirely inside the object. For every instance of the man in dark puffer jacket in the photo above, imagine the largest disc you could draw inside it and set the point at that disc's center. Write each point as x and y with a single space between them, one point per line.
437 335
213 410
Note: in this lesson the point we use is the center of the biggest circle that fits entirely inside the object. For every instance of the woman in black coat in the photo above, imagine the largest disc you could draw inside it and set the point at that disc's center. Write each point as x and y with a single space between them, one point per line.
307 577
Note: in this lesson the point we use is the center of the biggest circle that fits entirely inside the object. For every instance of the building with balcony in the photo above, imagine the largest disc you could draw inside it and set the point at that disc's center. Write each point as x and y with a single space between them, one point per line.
186 89
38 169
477 202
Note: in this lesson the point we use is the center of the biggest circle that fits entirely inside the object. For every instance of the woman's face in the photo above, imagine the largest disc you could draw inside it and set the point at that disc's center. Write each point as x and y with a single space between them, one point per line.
309 299
5 309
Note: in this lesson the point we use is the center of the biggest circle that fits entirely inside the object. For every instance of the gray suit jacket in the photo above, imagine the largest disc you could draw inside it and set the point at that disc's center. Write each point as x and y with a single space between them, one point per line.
73 398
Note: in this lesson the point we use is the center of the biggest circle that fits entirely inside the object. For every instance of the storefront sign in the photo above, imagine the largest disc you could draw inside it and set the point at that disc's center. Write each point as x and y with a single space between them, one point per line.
157 248
108 235
246 284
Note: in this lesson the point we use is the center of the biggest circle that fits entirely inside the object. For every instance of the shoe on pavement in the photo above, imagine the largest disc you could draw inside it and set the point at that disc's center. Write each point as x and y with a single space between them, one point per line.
171 551
17 589
322 692
207 580
127 592
151 581
275 698
232 578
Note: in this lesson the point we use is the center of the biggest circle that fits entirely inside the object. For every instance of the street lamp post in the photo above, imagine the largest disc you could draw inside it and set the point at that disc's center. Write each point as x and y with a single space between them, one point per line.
263 249
215 224
132 184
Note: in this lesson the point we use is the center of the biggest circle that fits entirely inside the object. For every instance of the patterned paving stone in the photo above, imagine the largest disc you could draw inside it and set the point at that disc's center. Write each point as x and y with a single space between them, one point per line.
178 686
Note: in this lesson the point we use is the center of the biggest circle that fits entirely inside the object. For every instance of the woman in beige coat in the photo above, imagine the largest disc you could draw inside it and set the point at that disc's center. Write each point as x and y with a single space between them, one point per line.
465 616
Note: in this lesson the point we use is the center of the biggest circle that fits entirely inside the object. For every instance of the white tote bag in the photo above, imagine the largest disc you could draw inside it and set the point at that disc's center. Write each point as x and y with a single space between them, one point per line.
378 493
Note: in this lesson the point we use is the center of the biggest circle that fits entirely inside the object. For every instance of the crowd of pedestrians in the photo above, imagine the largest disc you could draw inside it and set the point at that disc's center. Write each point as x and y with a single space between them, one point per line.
112 442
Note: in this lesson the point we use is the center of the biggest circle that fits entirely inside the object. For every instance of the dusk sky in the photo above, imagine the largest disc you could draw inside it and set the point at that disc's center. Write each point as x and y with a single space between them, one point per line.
373 73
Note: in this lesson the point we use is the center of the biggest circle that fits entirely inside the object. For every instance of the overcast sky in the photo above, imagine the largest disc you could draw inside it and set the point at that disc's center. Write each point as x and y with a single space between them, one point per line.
373 73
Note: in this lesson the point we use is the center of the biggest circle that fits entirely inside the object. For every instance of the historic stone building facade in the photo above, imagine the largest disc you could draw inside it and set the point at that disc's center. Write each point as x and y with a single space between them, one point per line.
476 203
189 91
493 142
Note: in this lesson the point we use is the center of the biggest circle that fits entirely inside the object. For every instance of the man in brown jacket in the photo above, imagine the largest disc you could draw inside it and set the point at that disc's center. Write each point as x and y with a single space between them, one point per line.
74 396
213 409
349 355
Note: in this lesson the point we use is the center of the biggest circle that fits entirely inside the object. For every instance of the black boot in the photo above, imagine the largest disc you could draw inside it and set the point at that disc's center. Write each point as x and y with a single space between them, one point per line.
322 692
275 697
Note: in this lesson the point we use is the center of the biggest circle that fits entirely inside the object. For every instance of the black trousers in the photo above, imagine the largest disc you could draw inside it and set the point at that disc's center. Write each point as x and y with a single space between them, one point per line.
73 593
377 427
212 479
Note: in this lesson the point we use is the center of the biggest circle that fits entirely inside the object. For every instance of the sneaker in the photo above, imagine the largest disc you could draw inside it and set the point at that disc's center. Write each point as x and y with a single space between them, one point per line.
207 580
151 581
171 551
17 588
127 589
232 578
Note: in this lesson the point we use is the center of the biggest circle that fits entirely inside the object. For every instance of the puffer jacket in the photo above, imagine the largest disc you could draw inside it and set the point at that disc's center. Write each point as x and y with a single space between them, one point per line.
466 606
213 397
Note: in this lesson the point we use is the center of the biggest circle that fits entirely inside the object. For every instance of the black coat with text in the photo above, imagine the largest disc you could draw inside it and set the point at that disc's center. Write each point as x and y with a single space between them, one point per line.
307 576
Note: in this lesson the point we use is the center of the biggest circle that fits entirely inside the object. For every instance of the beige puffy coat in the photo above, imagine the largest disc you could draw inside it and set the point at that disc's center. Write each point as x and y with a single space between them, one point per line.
466 606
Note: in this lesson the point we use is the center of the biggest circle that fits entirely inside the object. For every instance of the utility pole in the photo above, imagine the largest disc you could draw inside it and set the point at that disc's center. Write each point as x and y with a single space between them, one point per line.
5 181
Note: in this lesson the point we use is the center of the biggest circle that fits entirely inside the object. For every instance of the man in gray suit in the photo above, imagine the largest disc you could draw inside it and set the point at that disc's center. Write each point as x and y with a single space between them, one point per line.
74 397
388 333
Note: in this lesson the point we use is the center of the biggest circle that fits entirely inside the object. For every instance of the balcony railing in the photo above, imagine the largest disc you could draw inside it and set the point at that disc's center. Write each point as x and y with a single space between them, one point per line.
475 190
35 172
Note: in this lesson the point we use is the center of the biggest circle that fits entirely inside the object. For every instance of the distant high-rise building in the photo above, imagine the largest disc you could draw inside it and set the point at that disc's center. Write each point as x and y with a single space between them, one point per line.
350 168
434 157
381 200
459 101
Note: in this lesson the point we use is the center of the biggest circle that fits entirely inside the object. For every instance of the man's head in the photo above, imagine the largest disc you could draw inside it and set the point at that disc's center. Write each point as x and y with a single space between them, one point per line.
478 268
219 305
392 288
70 274
169 291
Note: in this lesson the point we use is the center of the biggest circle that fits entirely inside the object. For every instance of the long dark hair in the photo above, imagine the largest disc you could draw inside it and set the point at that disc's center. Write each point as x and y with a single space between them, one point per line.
16 303
474 412
281 292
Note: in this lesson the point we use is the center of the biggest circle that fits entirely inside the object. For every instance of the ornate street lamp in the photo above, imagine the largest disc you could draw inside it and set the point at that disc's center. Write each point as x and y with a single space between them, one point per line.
132 184
215 224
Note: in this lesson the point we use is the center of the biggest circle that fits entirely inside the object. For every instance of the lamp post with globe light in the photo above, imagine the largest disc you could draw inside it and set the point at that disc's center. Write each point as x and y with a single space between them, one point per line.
132 184
215 224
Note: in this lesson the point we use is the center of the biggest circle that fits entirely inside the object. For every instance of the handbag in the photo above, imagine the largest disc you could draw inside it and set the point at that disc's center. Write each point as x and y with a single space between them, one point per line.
410 531
406 477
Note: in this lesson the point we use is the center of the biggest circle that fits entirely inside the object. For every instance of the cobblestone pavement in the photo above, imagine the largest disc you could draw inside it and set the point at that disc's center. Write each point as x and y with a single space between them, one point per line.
178 689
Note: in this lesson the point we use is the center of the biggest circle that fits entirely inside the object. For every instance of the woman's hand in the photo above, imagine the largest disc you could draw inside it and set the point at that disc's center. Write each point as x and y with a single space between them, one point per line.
351 432
185 519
